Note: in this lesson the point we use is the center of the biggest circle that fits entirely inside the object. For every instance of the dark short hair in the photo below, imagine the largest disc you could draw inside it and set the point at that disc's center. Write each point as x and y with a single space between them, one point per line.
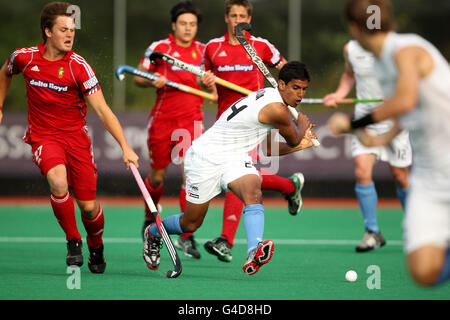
185 7
49 14
244 3
355 11
293 70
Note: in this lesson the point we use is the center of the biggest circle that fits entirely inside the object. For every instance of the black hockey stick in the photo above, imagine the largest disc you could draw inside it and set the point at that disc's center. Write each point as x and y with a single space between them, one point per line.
260 64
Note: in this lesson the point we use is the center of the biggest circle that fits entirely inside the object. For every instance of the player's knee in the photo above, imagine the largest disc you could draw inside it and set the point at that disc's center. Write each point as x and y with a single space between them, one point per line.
191 226
362 175
253 197
58 185
157 177
88 208
401 178
424 271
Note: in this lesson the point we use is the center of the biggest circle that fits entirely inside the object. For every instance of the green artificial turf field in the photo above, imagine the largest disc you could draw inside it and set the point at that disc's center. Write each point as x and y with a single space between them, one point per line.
312 253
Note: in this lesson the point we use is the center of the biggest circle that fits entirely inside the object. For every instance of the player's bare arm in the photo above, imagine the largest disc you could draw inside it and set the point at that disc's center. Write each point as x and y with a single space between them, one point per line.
278 115
284 148
111 123
346 84
412 66
5 82
413 63
141 82
208 81
380 140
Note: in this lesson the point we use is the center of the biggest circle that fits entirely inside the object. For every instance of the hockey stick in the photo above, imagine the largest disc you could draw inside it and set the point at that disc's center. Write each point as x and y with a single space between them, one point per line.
342 101
150 76
260 64
195 70
162 230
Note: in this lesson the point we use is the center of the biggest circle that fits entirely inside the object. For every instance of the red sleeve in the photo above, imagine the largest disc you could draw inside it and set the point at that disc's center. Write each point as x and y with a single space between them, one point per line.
84 75
271 56
155 46
206 60
19 59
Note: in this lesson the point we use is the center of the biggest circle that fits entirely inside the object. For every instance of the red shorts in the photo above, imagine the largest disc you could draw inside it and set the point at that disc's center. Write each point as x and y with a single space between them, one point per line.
169 139
74 151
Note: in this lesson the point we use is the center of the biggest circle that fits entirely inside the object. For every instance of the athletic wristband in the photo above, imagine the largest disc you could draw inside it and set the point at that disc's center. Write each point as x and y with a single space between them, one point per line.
362 122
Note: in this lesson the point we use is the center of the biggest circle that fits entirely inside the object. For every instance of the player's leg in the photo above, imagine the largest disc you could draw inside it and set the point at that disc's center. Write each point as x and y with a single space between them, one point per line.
186 241
202 184
244 181
426 236
50 157
368 200
248 189
187 221
64 211
159 146
83 179
289 187
399 155
232 212
94 222
429 265
401 182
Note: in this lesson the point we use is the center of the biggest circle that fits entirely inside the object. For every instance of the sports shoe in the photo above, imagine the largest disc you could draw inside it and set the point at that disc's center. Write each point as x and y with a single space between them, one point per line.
152 247
148 222
370 241
258 257
220 248
295 198
97 262
188 246
74 253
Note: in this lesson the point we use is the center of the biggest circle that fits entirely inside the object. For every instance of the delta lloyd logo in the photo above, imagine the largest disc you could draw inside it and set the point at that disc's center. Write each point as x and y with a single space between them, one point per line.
374 20
185 140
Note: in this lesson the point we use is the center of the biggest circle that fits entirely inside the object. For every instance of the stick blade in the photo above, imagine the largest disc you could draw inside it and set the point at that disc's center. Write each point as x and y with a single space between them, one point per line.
154 56
119 73
242 26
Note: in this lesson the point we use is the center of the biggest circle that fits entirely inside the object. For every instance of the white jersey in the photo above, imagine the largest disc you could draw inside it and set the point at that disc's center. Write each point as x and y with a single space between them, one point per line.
238 130
367 86
428 123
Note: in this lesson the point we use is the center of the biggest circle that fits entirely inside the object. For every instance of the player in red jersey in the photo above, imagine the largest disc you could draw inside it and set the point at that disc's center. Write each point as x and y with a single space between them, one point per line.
58 81
176 117
227 59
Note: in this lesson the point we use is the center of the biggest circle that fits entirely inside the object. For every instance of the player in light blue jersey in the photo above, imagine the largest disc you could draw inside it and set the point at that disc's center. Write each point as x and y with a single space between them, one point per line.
219 160
415 79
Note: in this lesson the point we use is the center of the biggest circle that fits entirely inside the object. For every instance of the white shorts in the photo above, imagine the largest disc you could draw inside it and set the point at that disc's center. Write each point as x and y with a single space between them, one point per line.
205 180
426 220
397 154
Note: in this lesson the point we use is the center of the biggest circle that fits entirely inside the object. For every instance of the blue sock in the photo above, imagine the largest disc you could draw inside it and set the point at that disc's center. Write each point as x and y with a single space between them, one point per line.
368 199
445 272
254 225
402 194
171 223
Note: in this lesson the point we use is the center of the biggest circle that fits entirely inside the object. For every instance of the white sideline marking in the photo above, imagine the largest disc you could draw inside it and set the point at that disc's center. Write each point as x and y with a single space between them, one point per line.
200 240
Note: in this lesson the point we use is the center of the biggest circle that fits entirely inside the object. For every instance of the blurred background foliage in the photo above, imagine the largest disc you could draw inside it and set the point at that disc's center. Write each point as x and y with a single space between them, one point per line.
323 34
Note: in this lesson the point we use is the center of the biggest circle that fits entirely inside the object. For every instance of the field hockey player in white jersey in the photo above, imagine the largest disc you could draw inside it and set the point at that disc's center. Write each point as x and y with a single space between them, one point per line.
415 78
219 160
359 73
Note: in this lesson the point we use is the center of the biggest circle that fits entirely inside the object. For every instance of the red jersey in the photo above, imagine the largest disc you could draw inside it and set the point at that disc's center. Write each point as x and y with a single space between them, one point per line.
231 62
55 90
171 102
